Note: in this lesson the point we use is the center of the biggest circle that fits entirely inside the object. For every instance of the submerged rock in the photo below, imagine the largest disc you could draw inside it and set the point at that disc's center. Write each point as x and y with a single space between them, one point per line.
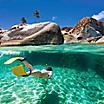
32 34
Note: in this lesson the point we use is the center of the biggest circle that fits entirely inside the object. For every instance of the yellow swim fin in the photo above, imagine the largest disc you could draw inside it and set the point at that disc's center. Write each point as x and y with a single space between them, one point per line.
19 70
11 60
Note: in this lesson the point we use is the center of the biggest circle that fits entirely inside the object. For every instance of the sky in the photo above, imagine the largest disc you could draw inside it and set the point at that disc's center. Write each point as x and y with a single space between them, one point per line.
62 12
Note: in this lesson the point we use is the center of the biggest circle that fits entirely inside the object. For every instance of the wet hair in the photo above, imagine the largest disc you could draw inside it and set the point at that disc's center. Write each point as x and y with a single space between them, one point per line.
49 68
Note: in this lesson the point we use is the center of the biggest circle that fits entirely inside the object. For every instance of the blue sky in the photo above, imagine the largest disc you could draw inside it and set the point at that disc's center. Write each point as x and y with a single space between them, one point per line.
63 12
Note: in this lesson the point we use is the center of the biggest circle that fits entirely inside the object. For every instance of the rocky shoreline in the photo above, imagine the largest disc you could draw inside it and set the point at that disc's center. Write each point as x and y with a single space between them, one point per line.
87 30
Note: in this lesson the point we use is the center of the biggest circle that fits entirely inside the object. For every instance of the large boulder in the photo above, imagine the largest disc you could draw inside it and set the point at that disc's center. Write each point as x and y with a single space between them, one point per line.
88 27
86 31
100 41
32 34
70 39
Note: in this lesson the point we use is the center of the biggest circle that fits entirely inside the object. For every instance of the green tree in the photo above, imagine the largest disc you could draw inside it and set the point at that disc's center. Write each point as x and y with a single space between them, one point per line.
36 14
23 20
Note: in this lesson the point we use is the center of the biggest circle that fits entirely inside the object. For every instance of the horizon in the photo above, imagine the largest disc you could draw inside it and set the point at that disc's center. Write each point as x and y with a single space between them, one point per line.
62 12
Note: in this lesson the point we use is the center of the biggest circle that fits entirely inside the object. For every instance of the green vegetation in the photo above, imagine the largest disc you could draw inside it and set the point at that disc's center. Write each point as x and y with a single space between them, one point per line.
23 20
36 14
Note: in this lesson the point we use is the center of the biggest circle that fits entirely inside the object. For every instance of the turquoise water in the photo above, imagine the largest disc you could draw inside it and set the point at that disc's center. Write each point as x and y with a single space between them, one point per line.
78 75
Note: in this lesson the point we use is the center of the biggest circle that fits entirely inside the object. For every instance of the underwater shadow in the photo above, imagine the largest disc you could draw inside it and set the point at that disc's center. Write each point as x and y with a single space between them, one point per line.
99 66
78 61
51 98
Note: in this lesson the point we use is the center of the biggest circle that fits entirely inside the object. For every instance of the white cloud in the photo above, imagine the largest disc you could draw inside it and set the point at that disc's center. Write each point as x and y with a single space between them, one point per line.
99 15
54 18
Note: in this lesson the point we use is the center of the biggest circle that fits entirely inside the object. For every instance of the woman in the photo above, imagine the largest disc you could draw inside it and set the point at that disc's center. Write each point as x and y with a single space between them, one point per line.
45 73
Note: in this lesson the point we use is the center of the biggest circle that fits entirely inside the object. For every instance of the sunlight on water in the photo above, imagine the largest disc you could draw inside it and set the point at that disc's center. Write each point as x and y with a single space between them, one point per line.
78 75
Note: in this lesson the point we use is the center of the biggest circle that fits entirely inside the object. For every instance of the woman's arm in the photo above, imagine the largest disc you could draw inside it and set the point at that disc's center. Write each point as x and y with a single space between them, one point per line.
28 65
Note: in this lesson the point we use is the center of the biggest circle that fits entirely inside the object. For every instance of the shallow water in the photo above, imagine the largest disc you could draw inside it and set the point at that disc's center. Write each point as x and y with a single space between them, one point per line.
78 75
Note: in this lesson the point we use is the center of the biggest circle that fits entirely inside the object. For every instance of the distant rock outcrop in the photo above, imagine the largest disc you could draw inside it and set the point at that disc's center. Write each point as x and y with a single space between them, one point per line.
86 31
100 41
2 31
32 34
65 30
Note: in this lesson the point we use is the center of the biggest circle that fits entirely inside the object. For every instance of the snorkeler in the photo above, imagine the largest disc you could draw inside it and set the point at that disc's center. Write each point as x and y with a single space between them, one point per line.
20 71
45 73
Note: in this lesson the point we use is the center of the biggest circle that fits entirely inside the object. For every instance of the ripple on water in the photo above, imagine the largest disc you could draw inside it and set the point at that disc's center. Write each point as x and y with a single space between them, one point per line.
67 86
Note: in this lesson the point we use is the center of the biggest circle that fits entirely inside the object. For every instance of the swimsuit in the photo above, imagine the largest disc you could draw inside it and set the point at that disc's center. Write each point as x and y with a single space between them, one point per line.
28 74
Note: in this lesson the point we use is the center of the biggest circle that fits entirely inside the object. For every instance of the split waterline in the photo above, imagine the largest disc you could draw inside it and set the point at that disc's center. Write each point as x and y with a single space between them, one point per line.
78 75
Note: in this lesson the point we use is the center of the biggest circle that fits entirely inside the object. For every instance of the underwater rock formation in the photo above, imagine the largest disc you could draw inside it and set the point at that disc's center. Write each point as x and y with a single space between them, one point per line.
32 34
